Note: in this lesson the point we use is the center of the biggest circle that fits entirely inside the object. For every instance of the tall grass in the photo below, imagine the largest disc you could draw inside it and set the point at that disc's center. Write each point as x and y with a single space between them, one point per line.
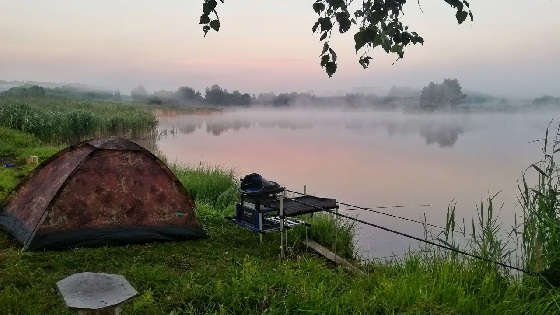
534 243
483 238
337 234
541 216
67 121
212 185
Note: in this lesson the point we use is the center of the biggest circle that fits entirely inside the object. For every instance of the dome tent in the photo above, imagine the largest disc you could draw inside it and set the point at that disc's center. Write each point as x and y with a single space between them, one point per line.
109 191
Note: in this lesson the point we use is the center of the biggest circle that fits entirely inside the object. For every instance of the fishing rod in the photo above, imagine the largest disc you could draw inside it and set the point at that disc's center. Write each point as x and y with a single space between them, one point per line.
406 235
382 212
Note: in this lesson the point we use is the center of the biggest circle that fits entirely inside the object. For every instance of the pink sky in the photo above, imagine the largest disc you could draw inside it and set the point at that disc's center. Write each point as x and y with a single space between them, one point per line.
509 50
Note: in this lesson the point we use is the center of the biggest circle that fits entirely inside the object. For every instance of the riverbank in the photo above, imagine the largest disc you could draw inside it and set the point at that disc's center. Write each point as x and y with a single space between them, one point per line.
231 272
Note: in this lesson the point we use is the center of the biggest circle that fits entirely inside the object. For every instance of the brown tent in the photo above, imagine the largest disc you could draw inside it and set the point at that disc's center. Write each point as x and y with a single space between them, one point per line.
109 191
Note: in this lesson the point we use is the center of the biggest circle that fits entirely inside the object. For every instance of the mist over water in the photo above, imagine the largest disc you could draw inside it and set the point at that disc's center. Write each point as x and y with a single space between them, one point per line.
370 159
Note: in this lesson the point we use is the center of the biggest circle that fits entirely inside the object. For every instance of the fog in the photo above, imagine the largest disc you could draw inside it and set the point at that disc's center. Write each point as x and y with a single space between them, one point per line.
370 157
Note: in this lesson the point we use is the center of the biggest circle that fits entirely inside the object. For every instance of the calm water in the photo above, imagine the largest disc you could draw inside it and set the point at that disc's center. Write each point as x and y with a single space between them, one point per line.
370 159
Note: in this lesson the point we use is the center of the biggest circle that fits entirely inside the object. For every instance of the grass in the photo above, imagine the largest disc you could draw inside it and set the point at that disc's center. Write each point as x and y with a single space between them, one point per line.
541 212
64 120
209 184
231 272
15 147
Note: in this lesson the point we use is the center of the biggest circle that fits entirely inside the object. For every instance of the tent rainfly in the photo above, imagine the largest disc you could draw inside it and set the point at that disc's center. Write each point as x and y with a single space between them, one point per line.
100 192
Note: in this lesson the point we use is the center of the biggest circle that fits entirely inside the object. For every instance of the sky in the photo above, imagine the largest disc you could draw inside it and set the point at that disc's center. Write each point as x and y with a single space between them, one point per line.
510 50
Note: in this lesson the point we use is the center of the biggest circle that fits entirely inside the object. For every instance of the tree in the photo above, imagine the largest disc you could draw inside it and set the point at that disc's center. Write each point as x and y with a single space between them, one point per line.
187 94
26 91
215 95
139 94
437 96
376 23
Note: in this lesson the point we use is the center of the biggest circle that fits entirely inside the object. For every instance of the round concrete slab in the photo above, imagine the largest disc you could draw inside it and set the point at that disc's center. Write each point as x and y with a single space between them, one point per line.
93 291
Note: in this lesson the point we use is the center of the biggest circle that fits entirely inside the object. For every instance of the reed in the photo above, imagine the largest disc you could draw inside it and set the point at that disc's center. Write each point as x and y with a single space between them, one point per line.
538 196
66 121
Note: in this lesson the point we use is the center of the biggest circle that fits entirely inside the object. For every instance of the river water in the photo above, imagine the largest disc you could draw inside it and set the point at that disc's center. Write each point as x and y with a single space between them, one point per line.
418 162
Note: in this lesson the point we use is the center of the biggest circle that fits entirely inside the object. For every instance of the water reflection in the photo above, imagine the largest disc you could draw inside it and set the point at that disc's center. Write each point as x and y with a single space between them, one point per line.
444 133
369 159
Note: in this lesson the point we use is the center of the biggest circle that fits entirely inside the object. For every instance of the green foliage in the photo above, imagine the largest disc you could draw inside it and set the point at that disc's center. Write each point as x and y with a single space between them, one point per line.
231 272
215 95
211 185
378 24
15 147
486 239
436 96
61 120
208 8
25 91
337 234
541 211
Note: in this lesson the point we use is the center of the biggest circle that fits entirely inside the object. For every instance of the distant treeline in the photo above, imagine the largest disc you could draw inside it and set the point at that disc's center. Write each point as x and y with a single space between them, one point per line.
546 100
185 95
445 96
218 96
69 91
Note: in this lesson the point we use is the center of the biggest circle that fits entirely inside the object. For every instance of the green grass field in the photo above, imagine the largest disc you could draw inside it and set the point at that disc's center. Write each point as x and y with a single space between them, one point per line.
231 272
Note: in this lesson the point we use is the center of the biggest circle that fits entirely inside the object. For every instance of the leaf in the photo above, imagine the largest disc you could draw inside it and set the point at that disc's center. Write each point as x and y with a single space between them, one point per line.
539 170
359 40
314 28
330 67
365 36
364 61
333 54
204 19
318 7
209 6
205 29
215 25
461 16
326 24
325 48
324 60
323 36
343 19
